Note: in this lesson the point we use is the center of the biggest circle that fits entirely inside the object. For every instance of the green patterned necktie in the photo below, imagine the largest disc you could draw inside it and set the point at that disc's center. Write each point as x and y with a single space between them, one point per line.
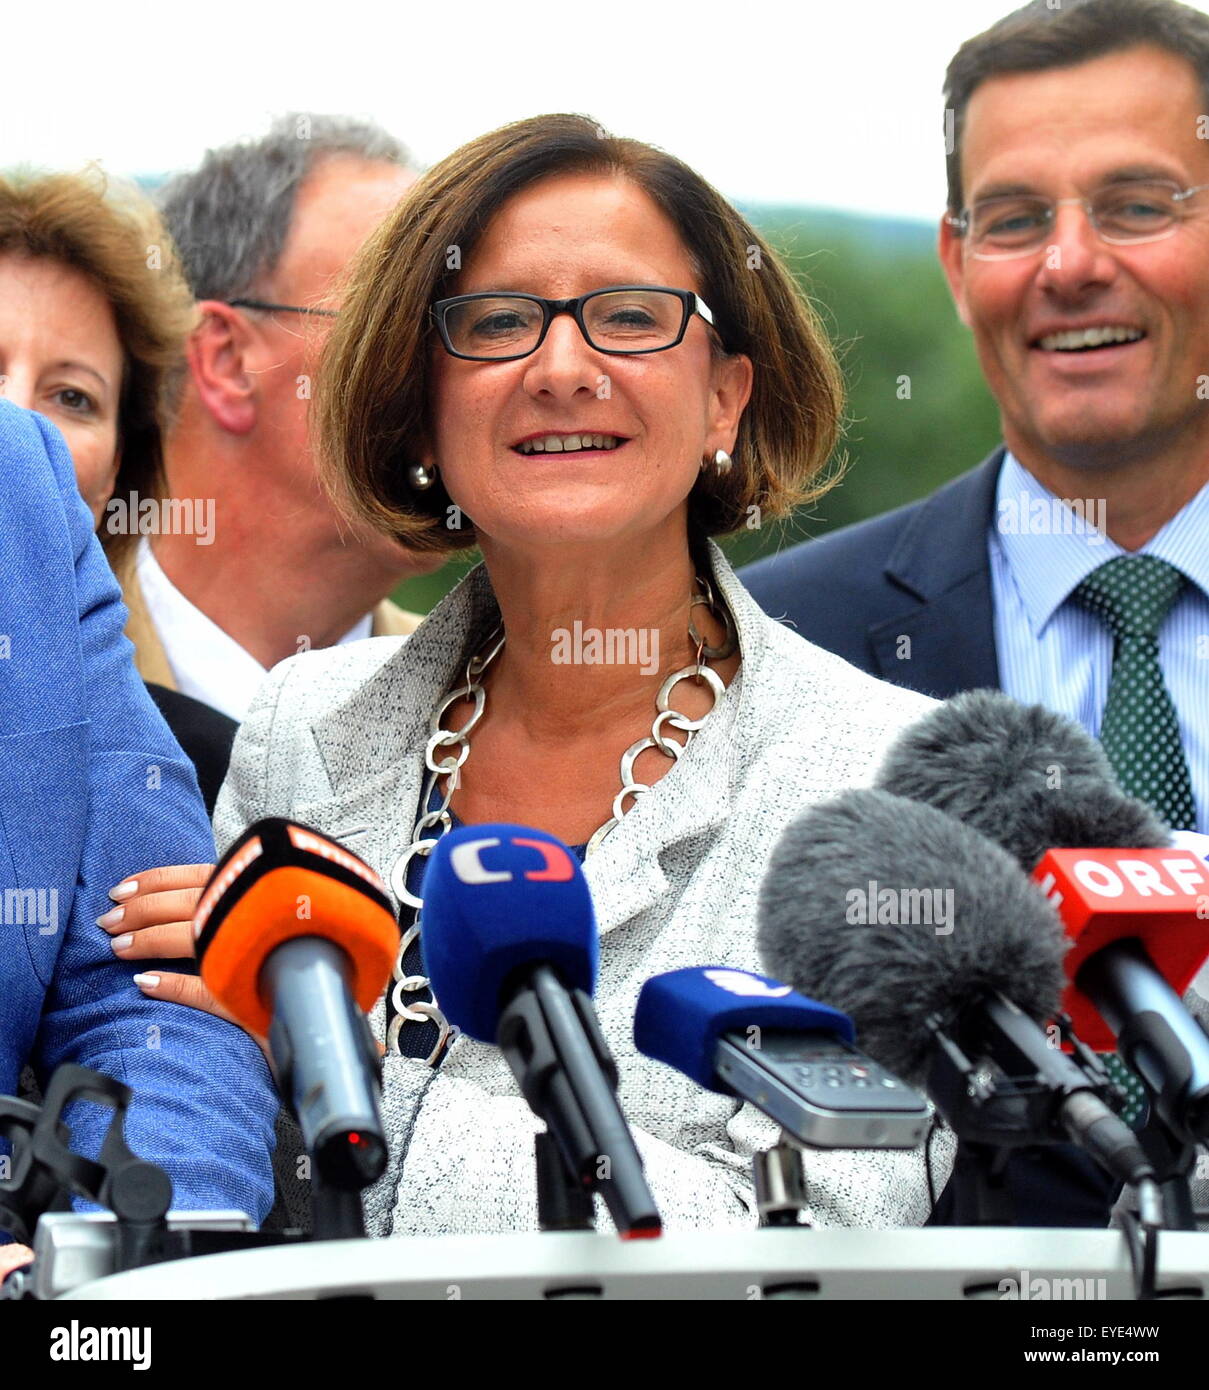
1132 596
1140 733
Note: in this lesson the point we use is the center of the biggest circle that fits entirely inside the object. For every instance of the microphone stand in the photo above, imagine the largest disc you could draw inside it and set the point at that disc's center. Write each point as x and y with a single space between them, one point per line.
780 1184
988 1123
781 1201
993 1117
562 1204
45 1171
1173 1160
339 1173
551 1040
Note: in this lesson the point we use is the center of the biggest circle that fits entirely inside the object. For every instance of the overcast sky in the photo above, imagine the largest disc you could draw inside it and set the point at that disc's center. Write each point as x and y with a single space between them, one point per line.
828 102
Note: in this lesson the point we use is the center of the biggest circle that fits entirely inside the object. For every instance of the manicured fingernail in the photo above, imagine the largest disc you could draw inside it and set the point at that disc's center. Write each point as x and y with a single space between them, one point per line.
119 943
147 981
111 918
126 889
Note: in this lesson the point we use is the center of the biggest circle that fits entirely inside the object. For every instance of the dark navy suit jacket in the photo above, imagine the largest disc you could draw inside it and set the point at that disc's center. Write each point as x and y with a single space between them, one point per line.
93 789
907 596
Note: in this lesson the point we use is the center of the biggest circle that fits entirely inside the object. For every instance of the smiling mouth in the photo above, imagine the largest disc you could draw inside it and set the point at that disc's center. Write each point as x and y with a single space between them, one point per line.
1089 339
569 444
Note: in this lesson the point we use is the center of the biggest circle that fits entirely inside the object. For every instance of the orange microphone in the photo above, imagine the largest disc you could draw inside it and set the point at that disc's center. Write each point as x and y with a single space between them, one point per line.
296 939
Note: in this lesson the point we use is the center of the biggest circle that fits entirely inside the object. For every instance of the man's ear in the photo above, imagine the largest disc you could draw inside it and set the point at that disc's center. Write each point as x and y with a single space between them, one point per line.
731 392
952 259
217 352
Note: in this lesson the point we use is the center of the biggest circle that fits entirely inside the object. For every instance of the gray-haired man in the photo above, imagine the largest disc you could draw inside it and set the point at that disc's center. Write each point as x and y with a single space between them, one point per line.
265 230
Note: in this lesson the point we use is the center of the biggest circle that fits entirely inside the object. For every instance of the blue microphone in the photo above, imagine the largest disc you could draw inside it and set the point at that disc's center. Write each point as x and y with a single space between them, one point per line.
753 1037
510 947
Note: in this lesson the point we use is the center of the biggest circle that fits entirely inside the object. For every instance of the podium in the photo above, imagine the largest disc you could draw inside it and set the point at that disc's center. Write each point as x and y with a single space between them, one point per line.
898 1264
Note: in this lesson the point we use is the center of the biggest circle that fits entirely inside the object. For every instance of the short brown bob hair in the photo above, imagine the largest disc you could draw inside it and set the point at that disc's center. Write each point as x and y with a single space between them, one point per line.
372 398
111 233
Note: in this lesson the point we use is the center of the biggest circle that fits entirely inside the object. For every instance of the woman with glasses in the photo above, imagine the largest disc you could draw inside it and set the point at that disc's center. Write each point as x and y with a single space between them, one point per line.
568 349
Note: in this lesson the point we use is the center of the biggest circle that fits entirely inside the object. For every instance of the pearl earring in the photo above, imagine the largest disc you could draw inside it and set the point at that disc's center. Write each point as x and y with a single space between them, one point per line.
420 478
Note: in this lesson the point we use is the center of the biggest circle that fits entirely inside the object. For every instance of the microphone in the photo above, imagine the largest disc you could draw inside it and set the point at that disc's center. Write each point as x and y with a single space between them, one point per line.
296 939
1139 924
1027 778
752 1037
1041 787
510 948
941 950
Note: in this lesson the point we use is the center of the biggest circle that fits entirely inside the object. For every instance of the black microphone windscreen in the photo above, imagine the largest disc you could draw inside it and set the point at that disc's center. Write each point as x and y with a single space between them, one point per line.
891 911
1028 778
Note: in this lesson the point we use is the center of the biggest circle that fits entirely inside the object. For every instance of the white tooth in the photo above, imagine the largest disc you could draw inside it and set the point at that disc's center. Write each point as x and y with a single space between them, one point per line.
610 441
552 444
1089 337
570 442
598 441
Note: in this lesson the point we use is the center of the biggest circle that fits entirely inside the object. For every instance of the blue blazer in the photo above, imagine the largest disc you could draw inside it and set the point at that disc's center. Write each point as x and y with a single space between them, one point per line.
93 788
907 596
920 573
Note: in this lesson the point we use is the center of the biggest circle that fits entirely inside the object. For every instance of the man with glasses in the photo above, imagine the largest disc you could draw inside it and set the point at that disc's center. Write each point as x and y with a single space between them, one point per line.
1071 568
265 230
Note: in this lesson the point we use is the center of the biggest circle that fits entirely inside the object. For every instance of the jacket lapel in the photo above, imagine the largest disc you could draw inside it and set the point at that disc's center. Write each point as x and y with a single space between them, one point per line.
372 744
628 873
947 641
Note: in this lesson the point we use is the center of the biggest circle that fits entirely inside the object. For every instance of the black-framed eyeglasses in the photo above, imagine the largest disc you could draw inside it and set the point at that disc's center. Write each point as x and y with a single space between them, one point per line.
1126 213
280 308
619 319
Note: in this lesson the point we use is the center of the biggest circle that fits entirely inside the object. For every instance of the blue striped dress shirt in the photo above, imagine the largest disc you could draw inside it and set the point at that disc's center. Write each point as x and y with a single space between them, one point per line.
1054 652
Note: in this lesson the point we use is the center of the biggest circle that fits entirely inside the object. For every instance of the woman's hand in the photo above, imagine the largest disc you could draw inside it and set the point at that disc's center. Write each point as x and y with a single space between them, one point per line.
154 912
13 1257
153 919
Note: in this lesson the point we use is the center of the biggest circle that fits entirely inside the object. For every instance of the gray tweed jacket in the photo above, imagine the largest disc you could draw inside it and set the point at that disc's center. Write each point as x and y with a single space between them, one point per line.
336 739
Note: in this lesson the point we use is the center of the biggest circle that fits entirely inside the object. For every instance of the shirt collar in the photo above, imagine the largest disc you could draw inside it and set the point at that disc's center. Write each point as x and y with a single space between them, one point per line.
1051 544
207 662
1184 541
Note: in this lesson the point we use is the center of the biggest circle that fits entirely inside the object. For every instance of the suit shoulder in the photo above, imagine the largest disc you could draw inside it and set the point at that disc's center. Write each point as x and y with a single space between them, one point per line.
825 724
315 680
852 548
342 668
855 555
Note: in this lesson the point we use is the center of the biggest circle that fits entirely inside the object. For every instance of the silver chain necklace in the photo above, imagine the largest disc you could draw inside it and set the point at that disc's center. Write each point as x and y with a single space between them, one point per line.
431 825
